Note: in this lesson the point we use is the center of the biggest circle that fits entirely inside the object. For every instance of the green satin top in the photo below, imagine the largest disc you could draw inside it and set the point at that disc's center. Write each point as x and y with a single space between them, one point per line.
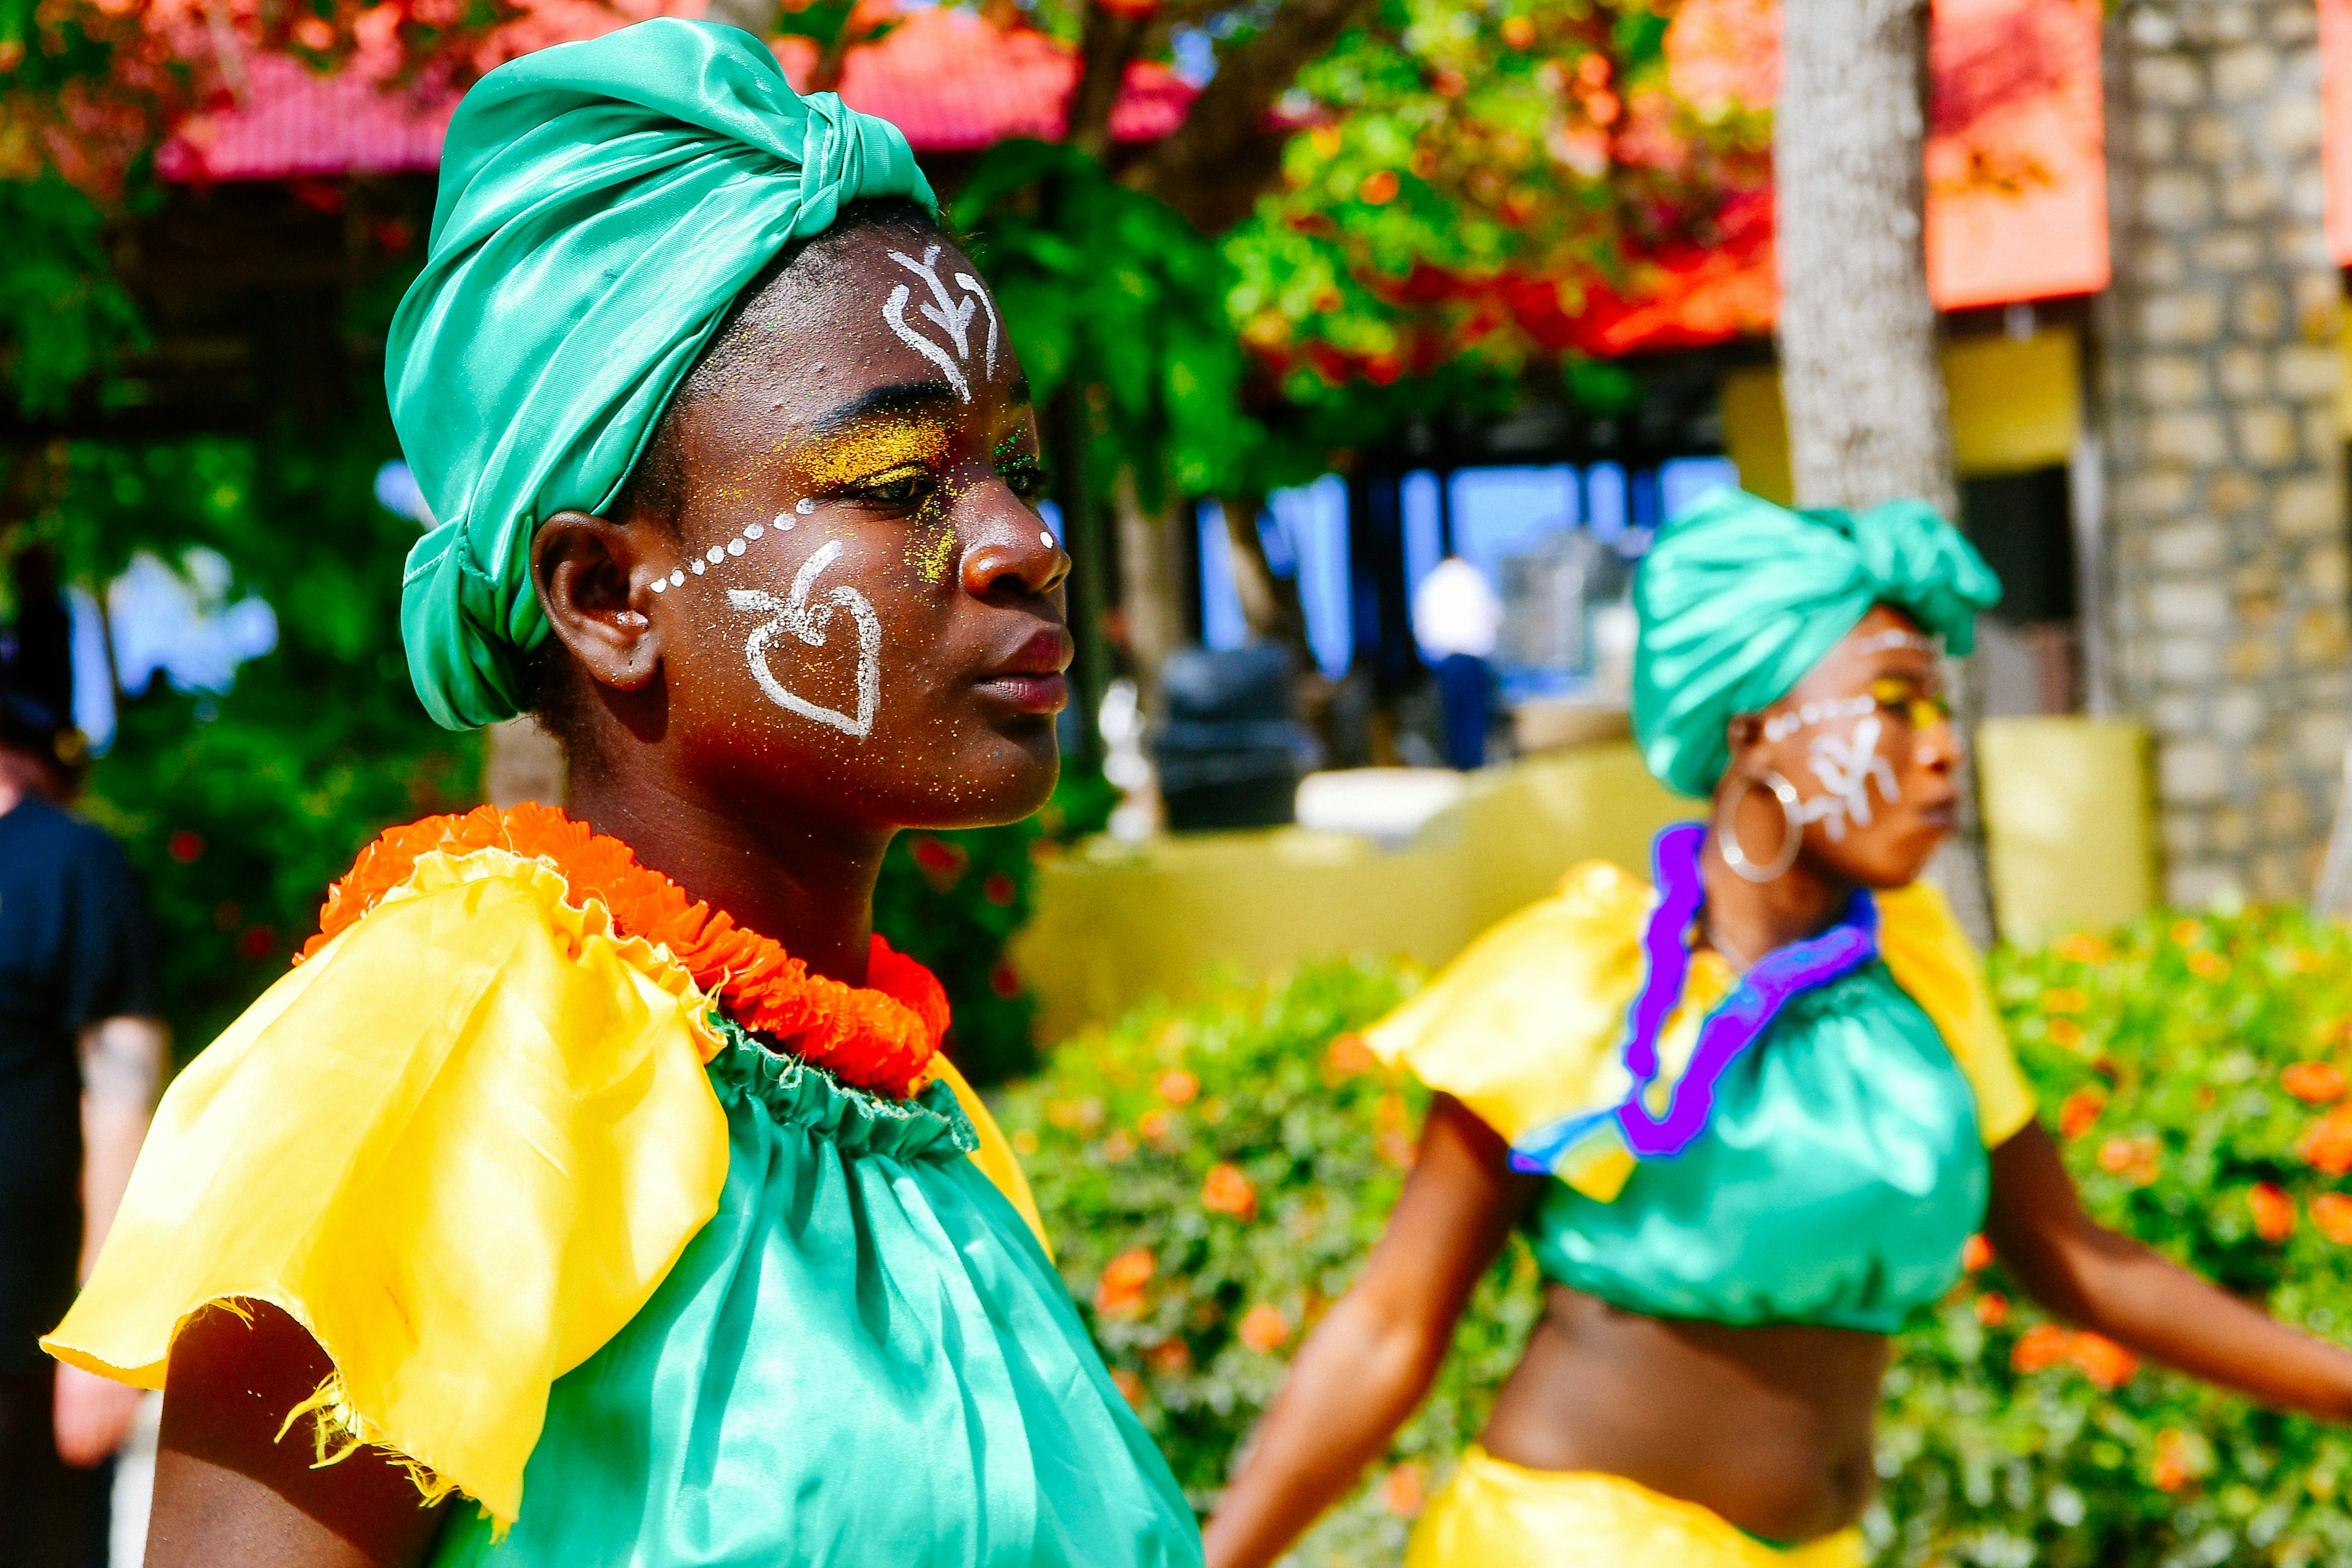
864 1358
1835 1183
1842 1167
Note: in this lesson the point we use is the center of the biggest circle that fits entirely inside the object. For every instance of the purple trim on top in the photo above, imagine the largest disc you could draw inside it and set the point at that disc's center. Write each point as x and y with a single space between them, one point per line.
1737 1024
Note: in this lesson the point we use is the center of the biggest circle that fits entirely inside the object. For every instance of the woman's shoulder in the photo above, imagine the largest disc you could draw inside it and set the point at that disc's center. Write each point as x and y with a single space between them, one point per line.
1523 1025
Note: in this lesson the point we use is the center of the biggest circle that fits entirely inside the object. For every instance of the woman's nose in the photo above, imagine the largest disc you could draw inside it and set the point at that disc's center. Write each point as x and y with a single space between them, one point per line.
1018 555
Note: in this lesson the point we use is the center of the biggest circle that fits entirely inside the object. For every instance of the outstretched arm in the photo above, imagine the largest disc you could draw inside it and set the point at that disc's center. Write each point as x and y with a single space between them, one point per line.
1371 1359
2113 1286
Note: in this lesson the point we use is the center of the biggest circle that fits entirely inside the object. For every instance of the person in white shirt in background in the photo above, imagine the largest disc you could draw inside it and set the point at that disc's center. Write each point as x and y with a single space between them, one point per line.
1457 620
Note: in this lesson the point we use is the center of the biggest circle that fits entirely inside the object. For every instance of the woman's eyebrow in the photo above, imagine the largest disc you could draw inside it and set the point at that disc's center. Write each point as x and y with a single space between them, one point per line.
914 399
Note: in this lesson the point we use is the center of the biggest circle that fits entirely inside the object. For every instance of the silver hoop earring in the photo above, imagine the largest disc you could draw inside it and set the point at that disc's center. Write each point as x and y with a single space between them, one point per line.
1793 834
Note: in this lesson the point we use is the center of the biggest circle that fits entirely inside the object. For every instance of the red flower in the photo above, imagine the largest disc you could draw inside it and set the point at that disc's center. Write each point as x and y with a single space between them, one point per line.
1992 1308
185 846
941 863
1975 1253
998 889
2078 1111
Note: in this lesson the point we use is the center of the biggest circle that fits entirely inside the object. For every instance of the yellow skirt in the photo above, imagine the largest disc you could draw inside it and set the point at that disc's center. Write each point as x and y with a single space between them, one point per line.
1498 1515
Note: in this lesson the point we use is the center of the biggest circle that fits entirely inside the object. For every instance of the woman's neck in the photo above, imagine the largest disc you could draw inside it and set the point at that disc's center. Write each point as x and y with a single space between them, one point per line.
1744 921
806 885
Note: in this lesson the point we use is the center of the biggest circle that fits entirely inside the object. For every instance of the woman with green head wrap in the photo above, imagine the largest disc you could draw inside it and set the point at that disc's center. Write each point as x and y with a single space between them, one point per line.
1749 1113
595 1191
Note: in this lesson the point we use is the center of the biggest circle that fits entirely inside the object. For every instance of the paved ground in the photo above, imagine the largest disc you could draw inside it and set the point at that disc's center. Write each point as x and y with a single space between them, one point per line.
134 1477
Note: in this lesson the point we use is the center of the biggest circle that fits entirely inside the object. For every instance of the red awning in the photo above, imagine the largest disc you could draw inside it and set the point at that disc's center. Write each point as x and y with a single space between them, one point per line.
950 79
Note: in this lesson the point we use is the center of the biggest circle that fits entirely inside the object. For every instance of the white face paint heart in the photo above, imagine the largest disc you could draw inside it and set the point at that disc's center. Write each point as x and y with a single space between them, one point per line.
950 314
1847 768
793 614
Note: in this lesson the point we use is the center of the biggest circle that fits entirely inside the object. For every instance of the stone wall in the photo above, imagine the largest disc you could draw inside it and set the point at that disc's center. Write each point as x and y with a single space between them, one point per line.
2227 611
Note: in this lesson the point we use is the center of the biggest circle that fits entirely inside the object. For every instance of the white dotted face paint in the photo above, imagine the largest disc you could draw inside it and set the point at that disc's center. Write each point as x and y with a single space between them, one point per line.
699 568
718 553
661 585
1897 638
1046 538
754 531
1781 726
735 546
793 616
803 506
678 579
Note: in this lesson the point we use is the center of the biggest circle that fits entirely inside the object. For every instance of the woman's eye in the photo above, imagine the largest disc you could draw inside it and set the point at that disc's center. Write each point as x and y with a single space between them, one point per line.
905 490
1026 481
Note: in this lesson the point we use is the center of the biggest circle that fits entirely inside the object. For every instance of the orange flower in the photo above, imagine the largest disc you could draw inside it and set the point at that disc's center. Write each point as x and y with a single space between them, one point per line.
2064 1032
1130 1387
1179 1087
1264 1328
1519 32
2332 1213
1400 1491
2327 1145
2044 1344
2314 1083
2185 931
2208 965
1992 1308
2274 1211
881 1035
2065 999
2170 1472
2103 1361
1378 188
1348 1055
2133 1158
2080 1109
1227 1191
1154 1124
1170 1358
1975 1253
2082 949
1120 1293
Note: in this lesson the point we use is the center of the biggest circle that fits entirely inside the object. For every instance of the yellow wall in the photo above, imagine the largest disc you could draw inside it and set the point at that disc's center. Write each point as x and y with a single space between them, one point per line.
2066 819
2015 405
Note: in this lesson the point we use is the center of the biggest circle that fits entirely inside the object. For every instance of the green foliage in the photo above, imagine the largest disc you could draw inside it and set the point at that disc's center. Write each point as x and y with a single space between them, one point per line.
1242 1101
63 315
1107 290
2161 1052
239 810
954 900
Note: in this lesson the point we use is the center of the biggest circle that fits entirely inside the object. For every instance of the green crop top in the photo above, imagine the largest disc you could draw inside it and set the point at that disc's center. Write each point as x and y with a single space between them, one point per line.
1840 1167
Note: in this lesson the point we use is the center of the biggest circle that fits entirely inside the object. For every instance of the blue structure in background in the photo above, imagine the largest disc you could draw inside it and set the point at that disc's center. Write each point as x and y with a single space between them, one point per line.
1484 515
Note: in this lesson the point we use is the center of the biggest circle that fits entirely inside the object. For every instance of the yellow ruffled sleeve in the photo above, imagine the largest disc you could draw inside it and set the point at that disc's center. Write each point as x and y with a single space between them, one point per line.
462 1145
994 1156
1526 1026
1937 967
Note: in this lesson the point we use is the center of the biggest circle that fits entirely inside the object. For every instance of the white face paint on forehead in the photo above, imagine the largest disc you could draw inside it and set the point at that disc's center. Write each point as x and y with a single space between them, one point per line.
953 315
1897 638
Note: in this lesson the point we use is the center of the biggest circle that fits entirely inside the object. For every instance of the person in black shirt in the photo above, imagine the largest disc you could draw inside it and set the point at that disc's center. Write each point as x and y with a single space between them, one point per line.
81 1059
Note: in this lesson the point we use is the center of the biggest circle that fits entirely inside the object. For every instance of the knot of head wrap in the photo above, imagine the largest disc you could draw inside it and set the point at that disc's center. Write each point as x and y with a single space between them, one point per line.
601 203
1739 599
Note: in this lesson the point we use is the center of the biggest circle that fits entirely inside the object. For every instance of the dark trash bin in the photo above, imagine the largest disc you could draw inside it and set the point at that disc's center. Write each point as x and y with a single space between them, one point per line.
1230 754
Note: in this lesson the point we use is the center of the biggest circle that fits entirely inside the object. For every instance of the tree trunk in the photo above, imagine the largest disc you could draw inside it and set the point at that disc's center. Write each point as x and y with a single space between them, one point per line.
1270 604
1867 420
1151 598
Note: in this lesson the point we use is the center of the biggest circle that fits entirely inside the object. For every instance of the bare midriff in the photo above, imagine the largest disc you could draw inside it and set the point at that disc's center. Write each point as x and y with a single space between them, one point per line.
1768 1427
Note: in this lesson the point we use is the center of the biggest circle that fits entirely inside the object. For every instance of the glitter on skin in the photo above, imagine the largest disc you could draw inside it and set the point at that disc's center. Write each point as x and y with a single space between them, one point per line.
864 453
933 563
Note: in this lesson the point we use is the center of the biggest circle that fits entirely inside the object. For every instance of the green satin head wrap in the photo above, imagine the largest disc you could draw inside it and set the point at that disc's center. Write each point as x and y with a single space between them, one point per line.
601 203
1739 598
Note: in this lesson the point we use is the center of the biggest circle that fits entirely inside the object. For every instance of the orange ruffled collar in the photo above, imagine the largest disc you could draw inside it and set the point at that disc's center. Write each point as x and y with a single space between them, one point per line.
880 1036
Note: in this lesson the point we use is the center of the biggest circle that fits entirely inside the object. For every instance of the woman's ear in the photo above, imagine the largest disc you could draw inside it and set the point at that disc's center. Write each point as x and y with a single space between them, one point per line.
594 578
1741 736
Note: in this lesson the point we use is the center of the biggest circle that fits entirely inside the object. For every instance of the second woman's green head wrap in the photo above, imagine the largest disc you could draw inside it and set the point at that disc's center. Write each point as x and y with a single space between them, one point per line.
1739 599
601 203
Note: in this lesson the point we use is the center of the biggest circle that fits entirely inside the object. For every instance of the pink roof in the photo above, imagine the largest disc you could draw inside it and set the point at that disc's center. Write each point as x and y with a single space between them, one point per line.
948 79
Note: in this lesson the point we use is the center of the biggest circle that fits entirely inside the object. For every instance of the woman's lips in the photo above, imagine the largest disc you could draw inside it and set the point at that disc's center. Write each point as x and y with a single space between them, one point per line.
1029 693
1031 680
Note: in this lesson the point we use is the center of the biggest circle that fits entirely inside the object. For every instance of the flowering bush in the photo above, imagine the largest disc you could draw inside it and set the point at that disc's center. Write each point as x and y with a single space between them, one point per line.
1214 1172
